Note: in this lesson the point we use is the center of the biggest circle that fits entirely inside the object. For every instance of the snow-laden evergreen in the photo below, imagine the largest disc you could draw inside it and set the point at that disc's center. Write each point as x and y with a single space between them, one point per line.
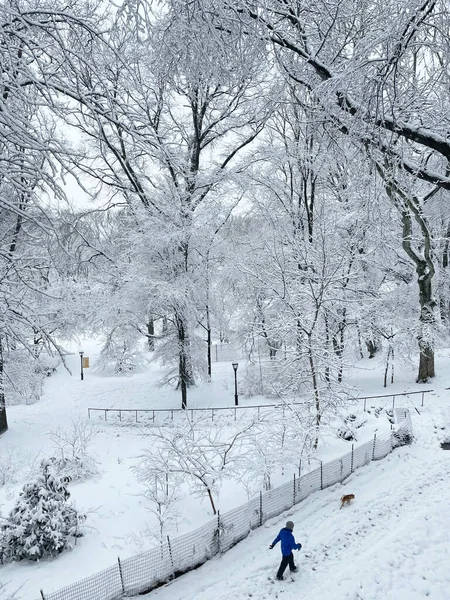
43 522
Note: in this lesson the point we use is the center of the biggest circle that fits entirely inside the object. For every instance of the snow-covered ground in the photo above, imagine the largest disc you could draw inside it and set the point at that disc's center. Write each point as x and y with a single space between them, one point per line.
368 542
391 543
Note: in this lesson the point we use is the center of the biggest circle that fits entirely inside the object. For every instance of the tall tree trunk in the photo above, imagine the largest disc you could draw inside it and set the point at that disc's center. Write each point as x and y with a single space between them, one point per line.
151 334
386 370
411 207
315 383
185 371
184 364
339 342
183 386
273 344
361 353
427 324
3 419
165 326
208 319
327 346
299 337
208 341
372 348
443 296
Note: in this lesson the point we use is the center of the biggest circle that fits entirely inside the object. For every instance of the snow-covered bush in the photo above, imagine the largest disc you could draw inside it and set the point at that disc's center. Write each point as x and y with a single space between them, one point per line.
71 459
254 381
25 375
46 364
390 415
445 441
402 438
351 423
382 411
355 421
23 381
43 522
347 434
120 356
11 465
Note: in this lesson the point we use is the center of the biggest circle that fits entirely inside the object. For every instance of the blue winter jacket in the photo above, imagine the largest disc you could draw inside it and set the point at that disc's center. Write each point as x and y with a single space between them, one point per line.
286 537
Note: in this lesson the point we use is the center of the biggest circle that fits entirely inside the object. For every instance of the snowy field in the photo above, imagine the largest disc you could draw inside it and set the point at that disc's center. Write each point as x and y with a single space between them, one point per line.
391 542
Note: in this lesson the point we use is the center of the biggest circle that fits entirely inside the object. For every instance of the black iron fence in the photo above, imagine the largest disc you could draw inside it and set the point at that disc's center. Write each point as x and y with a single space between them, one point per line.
153 415
157 415
142 573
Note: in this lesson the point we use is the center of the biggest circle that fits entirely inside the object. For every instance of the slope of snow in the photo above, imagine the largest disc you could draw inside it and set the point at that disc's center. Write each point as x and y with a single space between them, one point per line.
391 543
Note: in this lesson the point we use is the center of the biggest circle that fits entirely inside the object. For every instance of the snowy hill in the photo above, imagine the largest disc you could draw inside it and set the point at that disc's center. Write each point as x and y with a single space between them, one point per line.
392 542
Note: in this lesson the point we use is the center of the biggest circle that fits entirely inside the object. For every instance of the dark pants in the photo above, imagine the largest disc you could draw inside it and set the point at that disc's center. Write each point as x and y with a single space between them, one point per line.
285 561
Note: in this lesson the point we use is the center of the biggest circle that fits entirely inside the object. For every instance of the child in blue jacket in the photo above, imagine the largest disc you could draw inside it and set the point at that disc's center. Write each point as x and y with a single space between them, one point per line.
288 544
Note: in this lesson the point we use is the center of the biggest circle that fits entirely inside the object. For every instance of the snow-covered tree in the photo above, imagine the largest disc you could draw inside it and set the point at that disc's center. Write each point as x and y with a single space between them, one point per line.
171 118
30 160
197 452
383 83
163 492
71 459
43 522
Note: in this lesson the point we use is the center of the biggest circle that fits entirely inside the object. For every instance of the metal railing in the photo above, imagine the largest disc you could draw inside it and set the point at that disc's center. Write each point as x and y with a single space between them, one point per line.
145 572
171 412
394 396
152 413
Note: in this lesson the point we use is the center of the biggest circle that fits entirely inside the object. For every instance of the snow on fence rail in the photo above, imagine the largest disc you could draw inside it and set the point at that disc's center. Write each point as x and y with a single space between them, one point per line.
142 573
151 415
394 396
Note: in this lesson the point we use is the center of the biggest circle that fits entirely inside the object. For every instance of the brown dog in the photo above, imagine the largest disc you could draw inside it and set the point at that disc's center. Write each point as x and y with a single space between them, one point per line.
346 499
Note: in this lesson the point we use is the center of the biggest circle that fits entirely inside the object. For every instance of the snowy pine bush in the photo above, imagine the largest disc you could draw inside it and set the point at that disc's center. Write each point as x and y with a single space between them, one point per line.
43 522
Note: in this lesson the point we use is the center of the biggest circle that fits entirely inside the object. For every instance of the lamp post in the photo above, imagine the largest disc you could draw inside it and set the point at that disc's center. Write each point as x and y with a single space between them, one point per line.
81 364
236 397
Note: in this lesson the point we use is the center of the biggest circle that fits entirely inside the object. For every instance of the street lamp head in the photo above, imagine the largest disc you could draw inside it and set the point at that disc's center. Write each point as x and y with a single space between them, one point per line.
81 352
235 366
